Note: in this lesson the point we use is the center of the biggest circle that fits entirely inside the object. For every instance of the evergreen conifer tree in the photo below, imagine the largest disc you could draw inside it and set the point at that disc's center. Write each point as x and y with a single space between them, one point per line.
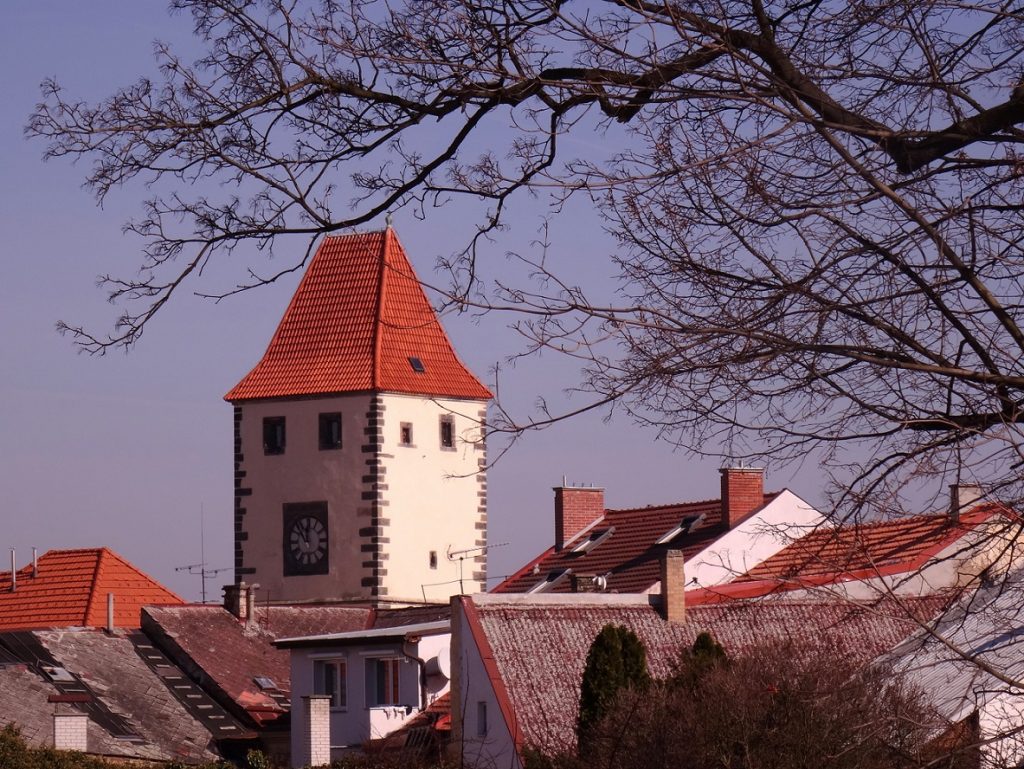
617 660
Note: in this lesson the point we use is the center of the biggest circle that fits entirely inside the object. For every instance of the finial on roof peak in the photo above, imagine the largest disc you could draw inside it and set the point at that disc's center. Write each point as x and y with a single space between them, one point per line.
387 220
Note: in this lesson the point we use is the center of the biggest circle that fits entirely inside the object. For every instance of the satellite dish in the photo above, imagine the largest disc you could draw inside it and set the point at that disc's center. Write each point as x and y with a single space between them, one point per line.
441 665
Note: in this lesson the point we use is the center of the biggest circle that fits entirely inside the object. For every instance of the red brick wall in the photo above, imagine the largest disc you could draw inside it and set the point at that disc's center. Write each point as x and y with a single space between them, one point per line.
575 509
742 493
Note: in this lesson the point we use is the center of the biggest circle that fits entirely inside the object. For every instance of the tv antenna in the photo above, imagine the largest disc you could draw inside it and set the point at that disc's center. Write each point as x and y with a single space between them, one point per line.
200 568
469 552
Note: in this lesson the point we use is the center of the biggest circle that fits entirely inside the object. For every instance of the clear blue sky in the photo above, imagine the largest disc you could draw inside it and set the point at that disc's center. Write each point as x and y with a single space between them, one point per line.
125 450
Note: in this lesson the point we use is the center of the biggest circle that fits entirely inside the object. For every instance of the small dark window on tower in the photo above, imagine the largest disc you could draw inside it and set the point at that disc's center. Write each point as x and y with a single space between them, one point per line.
330 431
433 559
417 365
273 435
447 432
405 436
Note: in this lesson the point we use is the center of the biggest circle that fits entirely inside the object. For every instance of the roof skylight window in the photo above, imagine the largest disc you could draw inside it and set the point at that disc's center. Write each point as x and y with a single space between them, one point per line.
265 683
417 365
688 524
553 578
595 539
59 674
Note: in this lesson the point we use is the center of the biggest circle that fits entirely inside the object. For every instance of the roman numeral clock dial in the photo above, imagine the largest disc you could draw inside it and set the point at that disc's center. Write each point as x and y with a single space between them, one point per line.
305 539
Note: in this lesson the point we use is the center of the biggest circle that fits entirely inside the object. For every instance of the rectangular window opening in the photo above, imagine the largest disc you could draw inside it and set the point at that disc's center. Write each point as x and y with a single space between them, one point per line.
481 719
405 434
329 677
273 435
433 559
330 431
447 432
382 682
417 365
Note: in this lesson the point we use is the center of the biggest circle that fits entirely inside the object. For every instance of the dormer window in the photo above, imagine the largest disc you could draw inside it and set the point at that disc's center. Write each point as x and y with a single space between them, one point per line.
417 365
273 435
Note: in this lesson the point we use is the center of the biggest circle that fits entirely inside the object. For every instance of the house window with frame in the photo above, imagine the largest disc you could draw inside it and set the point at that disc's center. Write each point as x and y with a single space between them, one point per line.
330 431
405 434
382 681
329 677
447 432
273 435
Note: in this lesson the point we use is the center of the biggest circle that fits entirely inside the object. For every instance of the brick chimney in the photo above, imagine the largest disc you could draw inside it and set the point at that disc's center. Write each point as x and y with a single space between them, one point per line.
742 493
961 497
236 600
673 585
576 507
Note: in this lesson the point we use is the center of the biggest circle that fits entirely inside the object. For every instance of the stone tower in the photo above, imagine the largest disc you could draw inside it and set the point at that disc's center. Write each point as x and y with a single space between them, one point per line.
359 445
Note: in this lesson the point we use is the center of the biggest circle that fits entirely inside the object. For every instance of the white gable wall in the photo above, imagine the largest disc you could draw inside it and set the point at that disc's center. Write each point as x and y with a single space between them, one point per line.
775 526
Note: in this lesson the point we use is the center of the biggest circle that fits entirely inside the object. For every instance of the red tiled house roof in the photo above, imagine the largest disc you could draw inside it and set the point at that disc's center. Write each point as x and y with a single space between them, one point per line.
534 649
865 550
357 318
629 556
226 655
70 590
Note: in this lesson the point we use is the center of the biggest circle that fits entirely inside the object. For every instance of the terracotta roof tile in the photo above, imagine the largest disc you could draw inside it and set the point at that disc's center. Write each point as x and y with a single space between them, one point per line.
859 549
630 555
70 590
539 648
357 317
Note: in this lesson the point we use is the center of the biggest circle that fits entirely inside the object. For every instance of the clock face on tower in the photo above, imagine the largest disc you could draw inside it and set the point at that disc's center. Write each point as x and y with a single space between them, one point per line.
305 539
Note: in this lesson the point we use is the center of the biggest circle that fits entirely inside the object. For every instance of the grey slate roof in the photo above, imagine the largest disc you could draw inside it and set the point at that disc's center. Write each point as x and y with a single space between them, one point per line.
122 683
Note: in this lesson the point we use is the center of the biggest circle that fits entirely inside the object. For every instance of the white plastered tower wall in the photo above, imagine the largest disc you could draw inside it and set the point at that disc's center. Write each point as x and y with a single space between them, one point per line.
302 473
433 500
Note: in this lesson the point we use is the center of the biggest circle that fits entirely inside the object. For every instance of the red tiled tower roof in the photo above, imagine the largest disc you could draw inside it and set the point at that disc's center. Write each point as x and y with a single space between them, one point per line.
359 321
70 590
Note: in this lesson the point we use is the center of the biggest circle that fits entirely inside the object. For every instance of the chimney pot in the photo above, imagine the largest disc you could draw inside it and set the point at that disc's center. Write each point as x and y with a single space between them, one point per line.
576 508
742 493
673 585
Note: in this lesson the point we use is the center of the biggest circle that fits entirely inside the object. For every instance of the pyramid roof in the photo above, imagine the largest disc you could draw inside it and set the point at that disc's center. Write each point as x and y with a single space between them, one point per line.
359 322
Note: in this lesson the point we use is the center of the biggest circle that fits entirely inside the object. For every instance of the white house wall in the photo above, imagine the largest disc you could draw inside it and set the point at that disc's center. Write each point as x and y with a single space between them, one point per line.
357 723
435 499
471 685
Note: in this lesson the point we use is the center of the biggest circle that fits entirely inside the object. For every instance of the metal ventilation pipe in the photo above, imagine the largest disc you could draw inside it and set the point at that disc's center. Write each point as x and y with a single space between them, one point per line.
35 563
14 572
110 613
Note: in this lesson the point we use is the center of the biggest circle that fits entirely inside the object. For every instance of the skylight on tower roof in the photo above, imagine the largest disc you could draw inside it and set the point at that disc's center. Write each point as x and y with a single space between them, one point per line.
417 365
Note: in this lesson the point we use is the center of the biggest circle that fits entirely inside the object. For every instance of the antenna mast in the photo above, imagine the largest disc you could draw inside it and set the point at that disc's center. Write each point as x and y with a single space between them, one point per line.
203 572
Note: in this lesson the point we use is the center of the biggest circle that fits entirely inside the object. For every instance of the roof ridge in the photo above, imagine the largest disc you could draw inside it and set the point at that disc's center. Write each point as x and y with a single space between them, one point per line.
379 311
93 584
281 323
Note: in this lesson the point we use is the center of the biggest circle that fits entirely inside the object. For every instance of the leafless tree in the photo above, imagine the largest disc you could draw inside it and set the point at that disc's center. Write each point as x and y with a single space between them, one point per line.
777 707
817 203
